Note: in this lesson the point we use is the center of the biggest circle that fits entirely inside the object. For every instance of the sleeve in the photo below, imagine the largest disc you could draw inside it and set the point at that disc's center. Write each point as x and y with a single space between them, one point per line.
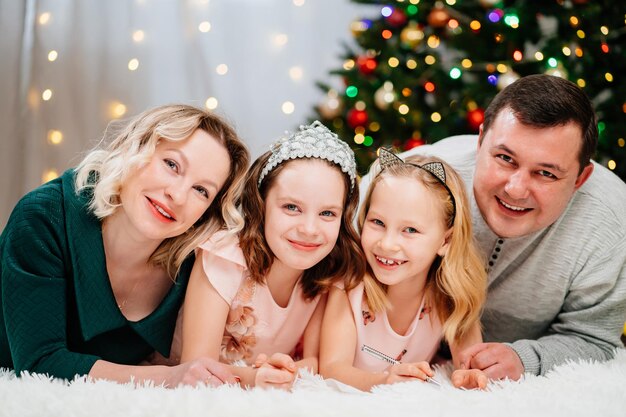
34 289
224 264
592 317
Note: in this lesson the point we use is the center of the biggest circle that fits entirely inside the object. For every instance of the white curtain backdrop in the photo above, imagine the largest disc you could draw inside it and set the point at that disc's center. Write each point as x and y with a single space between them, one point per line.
69 67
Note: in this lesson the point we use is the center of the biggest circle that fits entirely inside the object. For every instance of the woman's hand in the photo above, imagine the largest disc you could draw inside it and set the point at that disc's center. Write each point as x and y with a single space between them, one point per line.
469 379
403 372
278 371
200 371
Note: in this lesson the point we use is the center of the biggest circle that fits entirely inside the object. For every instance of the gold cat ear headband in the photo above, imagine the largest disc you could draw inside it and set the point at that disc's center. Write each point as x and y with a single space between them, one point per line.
436 169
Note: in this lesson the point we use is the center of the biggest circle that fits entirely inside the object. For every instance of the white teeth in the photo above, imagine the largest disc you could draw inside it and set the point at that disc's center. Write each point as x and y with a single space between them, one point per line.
389 261
512 207
160 210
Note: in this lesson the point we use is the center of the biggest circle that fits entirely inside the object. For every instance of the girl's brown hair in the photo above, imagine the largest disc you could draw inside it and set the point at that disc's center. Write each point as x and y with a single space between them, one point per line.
344 263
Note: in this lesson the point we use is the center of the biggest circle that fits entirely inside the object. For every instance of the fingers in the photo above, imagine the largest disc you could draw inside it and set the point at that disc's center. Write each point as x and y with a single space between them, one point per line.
498 361
469 379
466 357
282 361
220 372
260 360
409 371
268 376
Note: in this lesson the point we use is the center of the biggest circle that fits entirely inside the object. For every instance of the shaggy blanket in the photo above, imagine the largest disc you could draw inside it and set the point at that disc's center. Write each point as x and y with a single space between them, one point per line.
575 389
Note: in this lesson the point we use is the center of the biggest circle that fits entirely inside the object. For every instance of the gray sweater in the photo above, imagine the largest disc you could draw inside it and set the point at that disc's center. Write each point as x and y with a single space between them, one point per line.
558 294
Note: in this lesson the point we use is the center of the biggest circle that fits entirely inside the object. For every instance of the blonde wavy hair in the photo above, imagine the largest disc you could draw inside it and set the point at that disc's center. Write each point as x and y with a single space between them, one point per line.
105 169
457 282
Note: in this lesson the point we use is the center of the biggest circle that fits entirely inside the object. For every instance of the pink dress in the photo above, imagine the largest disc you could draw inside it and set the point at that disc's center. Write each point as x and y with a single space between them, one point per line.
255 323
420 343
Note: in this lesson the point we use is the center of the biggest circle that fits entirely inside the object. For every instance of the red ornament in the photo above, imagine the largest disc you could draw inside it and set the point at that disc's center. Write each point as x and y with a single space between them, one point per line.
357 118
397 18
412 143
475 118
438 17
366 64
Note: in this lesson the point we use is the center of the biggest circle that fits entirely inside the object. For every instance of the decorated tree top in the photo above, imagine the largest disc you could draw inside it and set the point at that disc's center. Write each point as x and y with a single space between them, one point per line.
424 70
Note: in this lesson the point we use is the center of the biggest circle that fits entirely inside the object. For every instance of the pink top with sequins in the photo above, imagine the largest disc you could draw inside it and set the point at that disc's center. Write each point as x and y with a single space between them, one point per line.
420 343
255 323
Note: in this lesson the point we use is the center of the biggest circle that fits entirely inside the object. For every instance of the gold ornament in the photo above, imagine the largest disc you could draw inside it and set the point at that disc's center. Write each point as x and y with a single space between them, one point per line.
506 79
332 106
411 36
488 3
385 95
559 71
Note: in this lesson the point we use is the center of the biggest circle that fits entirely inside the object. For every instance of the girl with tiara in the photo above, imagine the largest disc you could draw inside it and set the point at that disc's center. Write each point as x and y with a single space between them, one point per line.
424 281
254 295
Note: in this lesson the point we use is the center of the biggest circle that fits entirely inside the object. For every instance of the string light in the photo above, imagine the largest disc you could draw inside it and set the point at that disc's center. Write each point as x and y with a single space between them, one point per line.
359 138
204 27
611 165
55 137
435 117
44 18
211 103
538 56
221 69
429 59
46 95
348 64
117 109
411 64
52 55
393 62
288 107
138 36
280 39
49 175
352 91
475 25
403 109
466 63
386 34
133 64
429 87
609 77
295 73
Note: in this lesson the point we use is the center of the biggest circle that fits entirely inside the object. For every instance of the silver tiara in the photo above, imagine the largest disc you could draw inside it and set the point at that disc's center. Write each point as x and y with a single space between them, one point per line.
312 141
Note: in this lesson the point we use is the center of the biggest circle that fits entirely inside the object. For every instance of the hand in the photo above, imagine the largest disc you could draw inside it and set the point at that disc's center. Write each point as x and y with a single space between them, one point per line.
403 372
278 371
497 360
469 378
200 371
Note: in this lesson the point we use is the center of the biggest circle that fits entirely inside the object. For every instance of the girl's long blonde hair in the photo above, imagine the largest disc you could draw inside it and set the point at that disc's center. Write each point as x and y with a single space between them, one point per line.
104 170
457 282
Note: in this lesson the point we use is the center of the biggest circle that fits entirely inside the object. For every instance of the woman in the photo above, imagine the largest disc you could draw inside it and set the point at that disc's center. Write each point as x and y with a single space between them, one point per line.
94 265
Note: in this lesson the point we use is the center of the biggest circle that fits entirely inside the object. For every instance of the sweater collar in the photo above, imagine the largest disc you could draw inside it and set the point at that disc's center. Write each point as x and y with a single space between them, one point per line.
97 308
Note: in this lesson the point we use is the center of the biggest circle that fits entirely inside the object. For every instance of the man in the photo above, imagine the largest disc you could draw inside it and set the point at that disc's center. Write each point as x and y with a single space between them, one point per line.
552 227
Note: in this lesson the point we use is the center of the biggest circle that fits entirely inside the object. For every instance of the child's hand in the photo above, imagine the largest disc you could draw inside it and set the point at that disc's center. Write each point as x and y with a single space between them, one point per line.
469 378
279 371
403 372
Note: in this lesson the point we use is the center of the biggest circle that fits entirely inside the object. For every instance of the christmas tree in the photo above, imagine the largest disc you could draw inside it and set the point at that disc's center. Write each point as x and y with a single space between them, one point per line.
424 70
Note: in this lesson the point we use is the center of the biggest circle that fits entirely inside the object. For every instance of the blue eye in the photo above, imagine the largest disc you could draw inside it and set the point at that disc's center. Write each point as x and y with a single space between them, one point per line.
377 222
327 213
411 230
291 207
202 191
171 164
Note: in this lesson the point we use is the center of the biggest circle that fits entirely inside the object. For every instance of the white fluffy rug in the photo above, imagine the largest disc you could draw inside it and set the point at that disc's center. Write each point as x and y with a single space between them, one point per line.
576 389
